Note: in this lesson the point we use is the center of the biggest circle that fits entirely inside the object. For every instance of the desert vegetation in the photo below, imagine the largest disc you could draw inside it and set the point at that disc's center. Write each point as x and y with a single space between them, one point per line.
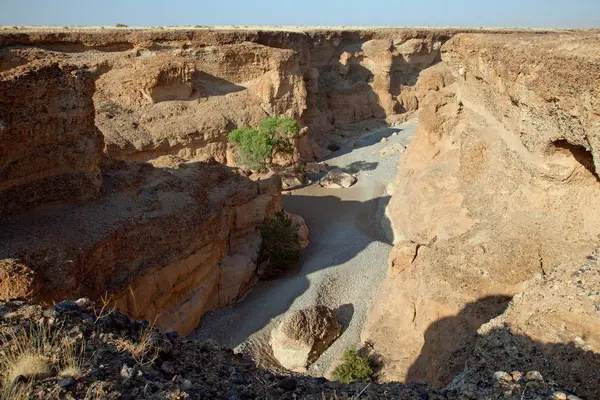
353 368
38 352
256 147
280 248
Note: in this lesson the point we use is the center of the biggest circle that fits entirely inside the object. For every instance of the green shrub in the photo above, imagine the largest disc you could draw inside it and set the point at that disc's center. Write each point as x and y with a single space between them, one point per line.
280 248
121 26
353 368
256 146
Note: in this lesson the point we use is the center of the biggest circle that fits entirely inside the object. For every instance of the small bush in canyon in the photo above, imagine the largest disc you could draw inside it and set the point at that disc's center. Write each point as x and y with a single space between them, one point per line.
257 146
353 368
280 248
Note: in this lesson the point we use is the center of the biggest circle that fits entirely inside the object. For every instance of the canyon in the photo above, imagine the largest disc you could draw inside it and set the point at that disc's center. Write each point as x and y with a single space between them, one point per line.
478 247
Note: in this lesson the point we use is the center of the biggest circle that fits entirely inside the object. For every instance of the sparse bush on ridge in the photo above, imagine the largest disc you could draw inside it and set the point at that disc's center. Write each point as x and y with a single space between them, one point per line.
280 248
121 26
353 368
257 146
144 351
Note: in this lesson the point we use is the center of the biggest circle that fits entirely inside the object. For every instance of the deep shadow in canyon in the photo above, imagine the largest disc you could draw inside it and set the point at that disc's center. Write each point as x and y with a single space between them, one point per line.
452 346
339 231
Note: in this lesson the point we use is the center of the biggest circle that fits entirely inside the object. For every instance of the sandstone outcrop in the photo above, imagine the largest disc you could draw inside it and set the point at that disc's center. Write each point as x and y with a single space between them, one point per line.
498 185
180 93
302 336
551 327
300 225
164 242
50 149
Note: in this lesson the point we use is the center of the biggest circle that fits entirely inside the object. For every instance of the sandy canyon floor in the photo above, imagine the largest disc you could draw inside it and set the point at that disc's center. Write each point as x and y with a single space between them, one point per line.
350 239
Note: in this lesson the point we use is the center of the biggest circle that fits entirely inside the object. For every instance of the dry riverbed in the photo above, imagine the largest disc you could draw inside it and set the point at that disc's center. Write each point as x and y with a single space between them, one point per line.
350 239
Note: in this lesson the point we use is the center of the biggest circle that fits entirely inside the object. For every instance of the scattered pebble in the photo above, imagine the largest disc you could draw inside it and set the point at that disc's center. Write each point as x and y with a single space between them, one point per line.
502 376
67 382
534 376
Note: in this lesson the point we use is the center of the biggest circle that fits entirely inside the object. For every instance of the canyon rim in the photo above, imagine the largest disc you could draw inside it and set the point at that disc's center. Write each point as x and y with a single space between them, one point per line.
460 246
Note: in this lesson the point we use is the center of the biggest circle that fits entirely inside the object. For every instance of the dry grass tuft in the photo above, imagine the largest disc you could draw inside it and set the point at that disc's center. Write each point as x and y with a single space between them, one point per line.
27 355
31 367
16 392
143 351
72 360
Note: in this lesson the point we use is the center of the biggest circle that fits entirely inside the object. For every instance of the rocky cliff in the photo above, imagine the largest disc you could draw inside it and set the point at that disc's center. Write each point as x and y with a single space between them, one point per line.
50 149
167 241
499 185
180 92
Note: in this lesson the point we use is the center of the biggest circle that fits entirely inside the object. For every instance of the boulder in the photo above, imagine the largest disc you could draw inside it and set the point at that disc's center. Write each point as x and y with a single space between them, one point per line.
337 179
302 336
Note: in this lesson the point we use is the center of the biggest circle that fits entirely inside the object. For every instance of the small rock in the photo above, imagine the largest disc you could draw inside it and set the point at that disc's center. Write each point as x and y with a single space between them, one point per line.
502 376
288 383
392 150
395 134
128 372
337 179
187 384
83 303
534 376
66 305
316 167
67 382
573 397
579 341
559 396
517 375
291 181
168 368
383 140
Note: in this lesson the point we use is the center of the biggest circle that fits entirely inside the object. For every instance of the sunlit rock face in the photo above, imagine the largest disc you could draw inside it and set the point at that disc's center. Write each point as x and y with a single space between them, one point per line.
499 185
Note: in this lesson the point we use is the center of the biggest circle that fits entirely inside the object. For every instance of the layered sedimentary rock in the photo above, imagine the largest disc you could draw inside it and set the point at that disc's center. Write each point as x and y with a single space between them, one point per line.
160 243
180 92
184 102
552 327
498 185
165 242
50 149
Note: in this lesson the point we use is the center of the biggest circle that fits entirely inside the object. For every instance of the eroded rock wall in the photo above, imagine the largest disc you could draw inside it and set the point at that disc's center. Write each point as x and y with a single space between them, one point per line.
50 149
179 93
165 241
498 185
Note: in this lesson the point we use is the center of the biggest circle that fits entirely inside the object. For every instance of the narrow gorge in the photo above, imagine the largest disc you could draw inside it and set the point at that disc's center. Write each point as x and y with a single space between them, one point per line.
443 186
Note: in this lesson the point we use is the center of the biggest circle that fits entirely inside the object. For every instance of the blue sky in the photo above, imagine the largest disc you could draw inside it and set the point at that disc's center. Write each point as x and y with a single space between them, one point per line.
465 13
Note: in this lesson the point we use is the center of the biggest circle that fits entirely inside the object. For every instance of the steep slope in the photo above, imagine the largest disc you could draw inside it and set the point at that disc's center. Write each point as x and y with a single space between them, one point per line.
114 365
167 241
498 185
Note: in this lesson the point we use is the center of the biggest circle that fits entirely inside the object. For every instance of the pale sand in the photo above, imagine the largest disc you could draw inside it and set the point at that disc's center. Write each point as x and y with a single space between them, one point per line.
342 267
